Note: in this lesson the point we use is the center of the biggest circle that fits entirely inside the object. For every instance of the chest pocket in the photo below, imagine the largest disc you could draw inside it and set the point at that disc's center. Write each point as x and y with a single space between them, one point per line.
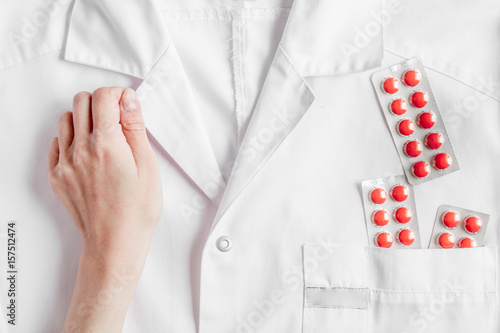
361 290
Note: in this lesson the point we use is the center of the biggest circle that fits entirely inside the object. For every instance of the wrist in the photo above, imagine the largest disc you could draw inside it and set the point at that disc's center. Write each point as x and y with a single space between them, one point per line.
117 251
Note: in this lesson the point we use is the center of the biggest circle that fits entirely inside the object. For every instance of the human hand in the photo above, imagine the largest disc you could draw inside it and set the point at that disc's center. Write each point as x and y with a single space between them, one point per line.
105 172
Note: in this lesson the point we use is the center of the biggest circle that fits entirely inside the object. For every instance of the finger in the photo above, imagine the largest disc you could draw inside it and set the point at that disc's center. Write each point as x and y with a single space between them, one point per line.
133 127
66 132
105 108
53 154
82 119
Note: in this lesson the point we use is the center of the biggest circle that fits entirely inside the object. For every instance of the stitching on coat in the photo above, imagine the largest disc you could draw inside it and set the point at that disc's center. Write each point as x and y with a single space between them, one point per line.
101 66
424 292
237 62
23 61
225 14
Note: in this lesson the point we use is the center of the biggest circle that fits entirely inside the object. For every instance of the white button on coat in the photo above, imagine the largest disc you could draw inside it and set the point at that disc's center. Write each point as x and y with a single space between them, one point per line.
224 243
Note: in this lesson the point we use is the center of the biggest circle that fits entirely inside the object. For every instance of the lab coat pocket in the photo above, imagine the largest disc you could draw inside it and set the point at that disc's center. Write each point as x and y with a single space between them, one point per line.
433 290
358 290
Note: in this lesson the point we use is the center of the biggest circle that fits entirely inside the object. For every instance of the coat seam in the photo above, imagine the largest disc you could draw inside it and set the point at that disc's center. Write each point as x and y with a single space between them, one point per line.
24 61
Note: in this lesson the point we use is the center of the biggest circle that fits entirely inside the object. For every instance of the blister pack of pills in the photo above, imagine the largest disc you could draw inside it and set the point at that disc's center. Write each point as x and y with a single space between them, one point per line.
390 213
458 227
415 122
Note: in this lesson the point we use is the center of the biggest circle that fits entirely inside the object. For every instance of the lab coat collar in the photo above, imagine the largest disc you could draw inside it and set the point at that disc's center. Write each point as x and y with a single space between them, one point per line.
130 37
321 37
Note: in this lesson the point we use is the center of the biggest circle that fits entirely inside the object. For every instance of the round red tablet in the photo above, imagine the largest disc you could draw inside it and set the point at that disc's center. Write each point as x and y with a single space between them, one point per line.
441 161
434 140
405 127
467 242
390 85
450 219
473 224
398 106
378 195
400 193
380 217
412 77
405 236
402 214
384 239
419 99
420 169
446 240
412 148
426 119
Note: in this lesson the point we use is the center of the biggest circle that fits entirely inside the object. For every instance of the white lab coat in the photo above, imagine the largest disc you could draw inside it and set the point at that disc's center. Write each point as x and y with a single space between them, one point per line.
265 122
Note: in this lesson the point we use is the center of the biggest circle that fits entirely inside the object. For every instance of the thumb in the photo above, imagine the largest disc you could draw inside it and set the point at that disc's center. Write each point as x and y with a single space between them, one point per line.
133 125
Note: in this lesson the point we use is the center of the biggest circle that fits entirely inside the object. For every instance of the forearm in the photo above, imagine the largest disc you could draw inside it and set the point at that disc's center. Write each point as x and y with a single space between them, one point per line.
103 291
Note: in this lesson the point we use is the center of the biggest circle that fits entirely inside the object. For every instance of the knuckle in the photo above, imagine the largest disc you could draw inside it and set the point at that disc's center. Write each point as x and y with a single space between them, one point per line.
101 94
53 179
60 174
99 144
81 96
65 117
80 153
134 125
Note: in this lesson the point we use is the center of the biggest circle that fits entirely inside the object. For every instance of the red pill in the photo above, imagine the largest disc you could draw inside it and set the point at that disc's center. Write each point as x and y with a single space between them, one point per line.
398 106
419 99
400 193
420 169
384 239
412 77
380 217
405 127
434 140
473 224
426 119
405 236
390 85
402 214
446 240
450 219
467 242
412 148
378 195
441 161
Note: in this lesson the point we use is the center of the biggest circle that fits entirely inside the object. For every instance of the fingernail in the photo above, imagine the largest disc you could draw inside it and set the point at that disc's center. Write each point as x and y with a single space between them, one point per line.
130 100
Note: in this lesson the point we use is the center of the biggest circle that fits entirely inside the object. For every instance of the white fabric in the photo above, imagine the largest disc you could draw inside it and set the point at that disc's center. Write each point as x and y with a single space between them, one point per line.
282 91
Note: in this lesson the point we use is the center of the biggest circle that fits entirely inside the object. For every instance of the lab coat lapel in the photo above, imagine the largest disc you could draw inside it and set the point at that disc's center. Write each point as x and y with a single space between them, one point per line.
320 39
171 115
131 38
284 99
